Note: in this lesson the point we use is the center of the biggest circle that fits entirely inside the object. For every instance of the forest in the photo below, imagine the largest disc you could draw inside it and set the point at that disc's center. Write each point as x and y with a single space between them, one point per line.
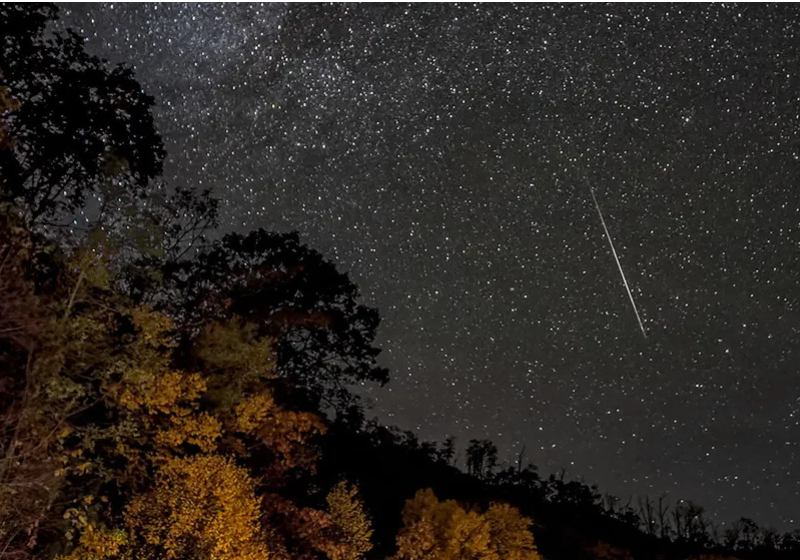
169 392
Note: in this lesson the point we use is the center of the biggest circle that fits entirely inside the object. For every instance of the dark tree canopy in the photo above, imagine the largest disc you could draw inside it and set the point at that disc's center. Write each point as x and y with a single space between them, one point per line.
323 335
76 131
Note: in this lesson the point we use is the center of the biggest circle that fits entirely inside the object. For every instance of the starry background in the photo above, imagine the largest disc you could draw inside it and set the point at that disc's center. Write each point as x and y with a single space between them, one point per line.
443 156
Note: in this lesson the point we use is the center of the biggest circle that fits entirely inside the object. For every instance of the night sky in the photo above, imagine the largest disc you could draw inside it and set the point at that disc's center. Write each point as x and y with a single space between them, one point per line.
443 155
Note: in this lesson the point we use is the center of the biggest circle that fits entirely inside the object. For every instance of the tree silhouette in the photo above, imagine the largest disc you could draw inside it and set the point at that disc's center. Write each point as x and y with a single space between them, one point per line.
447 452
481 457
78 132
323 335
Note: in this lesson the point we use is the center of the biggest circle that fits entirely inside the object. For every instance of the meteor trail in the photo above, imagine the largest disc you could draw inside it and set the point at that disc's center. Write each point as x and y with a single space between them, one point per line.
616 258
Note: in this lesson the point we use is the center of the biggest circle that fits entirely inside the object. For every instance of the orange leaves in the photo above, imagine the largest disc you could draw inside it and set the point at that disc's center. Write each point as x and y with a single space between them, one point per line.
284 432
302 529
342 532
437 530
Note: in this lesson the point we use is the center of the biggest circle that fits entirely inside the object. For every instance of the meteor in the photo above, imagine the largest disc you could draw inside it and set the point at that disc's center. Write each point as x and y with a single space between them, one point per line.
616 258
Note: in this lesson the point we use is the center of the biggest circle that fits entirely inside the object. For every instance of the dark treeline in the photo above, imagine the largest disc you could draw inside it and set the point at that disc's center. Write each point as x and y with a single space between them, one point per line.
167 392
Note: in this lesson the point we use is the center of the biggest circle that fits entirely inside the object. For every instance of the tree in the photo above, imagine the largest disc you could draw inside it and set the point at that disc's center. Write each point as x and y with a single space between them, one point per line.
323 336
445 531
36 402
201 507
691 524
178 460
81 132
481 457
79 153
113 448
743 535
28 422
447 452
582 498
647 513
351 529
790 542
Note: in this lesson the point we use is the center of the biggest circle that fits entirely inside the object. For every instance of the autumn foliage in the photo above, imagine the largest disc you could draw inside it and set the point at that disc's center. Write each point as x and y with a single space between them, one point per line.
447 531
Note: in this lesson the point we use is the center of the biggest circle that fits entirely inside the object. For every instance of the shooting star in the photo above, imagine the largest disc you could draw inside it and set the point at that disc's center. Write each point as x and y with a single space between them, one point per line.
616 258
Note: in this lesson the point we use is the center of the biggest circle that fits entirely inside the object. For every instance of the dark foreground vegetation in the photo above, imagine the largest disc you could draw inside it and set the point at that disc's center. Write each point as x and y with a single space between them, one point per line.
166 392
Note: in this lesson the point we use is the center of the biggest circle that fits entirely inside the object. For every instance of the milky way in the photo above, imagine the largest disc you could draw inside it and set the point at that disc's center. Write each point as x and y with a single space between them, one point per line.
442 154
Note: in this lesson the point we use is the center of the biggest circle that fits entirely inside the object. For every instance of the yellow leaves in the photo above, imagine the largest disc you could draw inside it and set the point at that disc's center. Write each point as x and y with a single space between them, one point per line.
164 392
160 403
445 531
170 441
203 507
509 532
202 430
97 544
253 412
350 527
163 406
166 404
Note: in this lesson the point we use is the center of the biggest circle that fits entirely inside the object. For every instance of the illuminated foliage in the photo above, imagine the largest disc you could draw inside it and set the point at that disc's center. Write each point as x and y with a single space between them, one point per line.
200 508
204 507
98 543
200 504
509 533
445 531
342 531
350 528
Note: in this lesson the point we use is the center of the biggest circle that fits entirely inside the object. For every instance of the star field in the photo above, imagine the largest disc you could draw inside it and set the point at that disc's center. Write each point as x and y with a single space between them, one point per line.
444 156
